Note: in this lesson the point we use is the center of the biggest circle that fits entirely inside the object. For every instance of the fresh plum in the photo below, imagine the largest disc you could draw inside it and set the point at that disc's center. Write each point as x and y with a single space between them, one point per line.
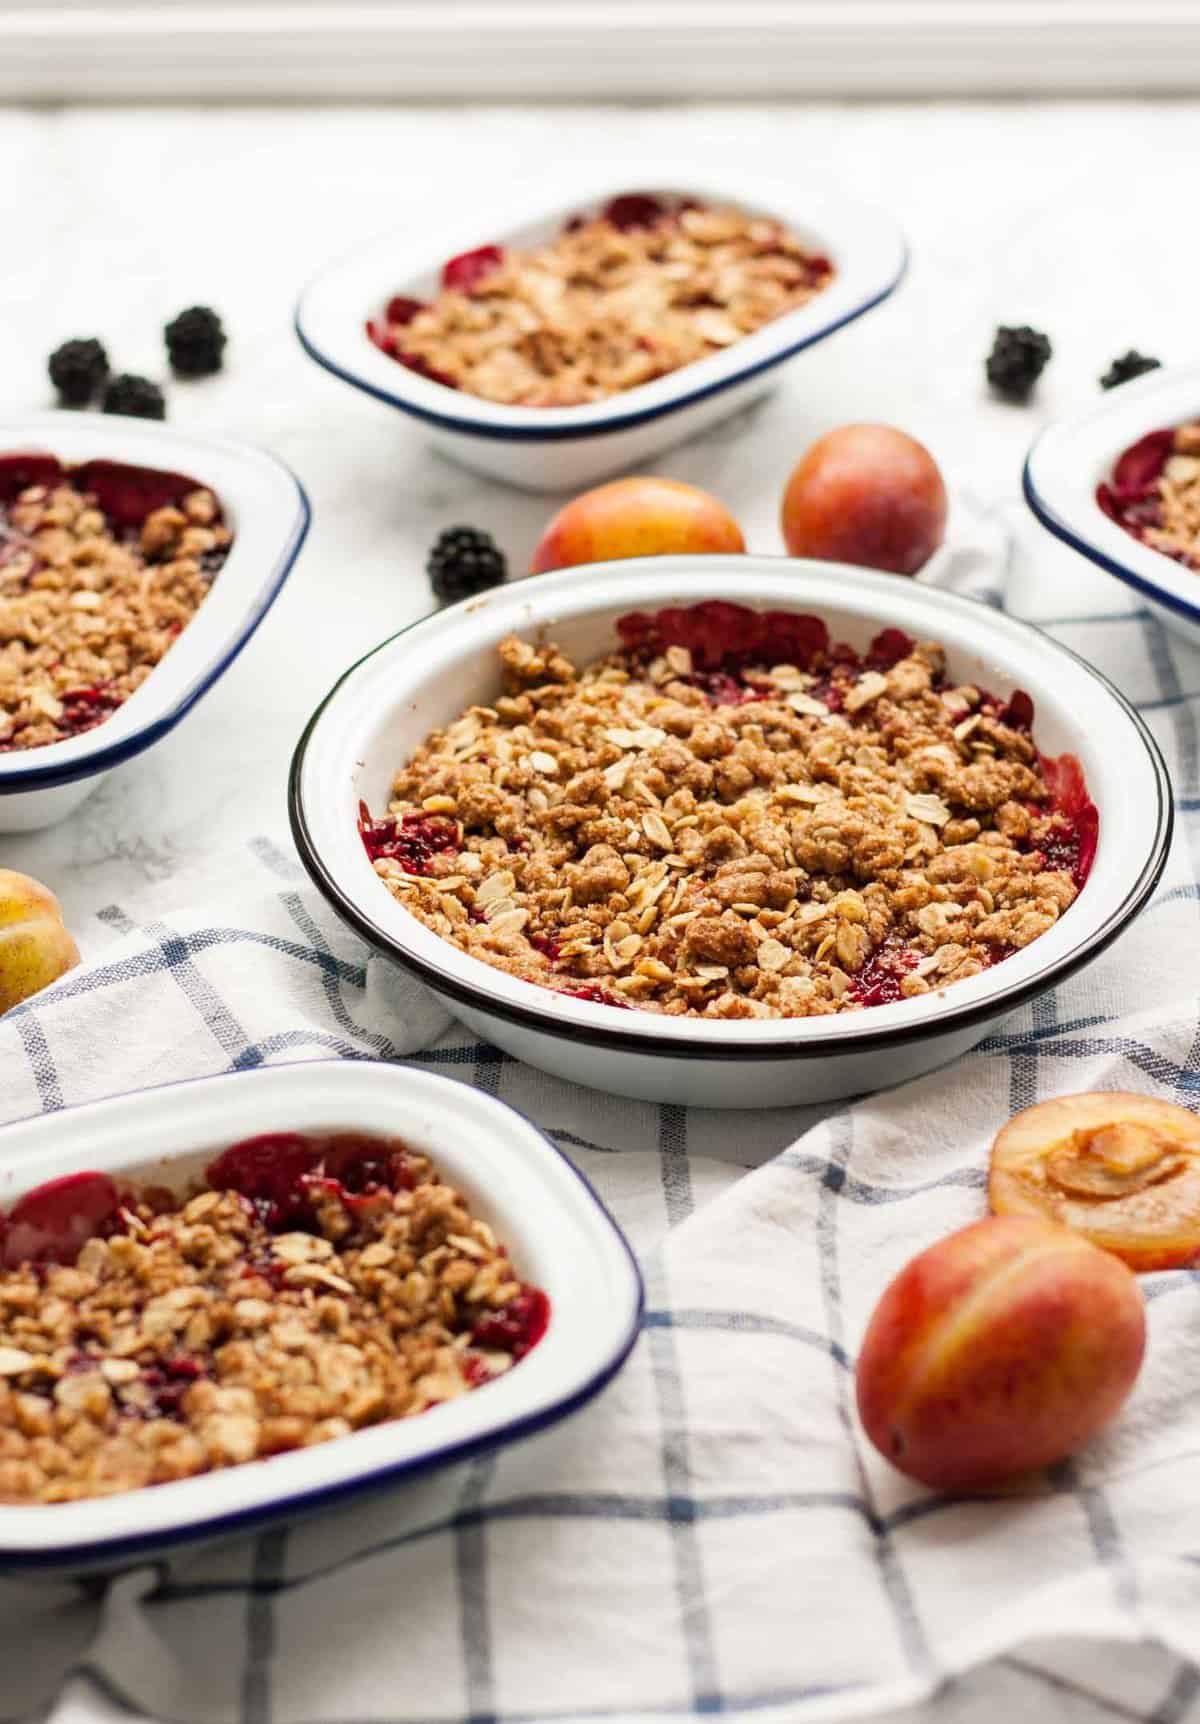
637 517
866 494
35 947
1001 1349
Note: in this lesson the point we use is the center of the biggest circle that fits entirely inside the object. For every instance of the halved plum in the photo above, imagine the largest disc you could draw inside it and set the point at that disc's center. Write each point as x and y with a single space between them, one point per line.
1122 1170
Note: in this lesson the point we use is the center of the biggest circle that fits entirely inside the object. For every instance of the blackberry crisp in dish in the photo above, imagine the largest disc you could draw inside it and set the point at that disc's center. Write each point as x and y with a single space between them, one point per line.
102 565
306 1288
637 290
734 816
1154 492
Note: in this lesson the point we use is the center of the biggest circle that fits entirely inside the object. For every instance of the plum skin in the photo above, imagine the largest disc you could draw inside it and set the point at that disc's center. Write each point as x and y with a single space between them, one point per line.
868 495
997 1351
35 947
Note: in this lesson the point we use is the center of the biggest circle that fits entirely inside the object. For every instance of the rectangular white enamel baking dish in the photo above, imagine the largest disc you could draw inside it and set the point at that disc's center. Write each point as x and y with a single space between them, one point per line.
267 508
559 1235
559 448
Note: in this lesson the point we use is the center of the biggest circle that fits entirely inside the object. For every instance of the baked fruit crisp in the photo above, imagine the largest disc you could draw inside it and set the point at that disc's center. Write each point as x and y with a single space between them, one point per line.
733 816
101 566
618 298
1154 492
310 1287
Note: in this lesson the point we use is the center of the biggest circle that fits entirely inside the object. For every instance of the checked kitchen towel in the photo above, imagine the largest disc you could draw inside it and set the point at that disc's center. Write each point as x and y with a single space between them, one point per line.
712 1535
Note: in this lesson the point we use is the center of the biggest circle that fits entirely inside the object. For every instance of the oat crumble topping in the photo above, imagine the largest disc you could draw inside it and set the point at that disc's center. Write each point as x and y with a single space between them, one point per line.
1154 492
315 1287
734 817
615 300
96 583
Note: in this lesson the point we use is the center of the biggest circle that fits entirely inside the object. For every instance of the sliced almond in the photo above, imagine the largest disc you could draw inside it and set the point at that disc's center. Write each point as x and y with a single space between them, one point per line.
544 763
657 831
865 690
806 704
929 809
497 885
772 955
511 921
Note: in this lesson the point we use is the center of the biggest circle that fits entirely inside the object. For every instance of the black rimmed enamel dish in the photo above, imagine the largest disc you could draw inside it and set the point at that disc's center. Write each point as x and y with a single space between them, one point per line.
425 676
559 1235
267 508
564 448
1074 456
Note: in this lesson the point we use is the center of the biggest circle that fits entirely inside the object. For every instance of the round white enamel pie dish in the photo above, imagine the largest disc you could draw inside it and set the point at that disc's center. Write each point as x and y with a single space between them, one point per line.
559 1235
1073 455
562 448
267 508
427 675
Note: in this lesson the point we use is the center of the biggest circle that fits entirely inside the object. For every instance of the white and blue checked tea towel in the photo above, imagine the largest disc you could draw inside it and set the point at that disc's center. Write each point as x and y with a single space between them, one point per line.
712 1535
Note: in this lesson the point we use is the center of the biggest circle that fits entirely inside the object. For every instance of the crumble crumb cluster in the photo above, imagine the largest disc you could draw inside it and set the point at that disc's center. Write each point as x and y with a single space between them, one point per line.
615 300
91 600
1154 492
733 817
318 1287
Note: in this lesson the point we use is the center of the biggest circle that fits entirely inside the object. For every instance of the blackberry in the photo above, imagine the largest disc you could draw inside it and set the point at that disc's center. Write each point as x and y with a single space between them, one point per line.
195 342
464 561
77 369
1127 367
1017 360
136 397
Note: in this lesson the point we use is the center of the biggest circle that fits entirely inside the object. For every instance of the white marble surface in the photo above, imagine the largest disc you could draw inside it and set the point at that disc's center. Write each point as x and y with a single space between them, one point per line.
1064 215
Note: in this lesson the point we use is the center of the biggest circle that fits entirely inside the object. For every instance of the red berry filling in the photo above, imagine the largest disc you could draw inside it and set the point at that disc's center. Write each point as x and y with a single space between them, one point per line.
1070 848
19 472
284 1175
1132 497
596 995
412 841
401 309
517 1327
52 1223
633 210
463 274
878 982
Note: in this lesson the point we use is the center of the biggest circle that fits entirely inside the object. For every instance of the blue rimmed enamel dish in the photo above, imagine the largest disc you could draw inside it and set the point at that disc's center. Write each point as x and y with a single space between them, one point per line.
1074 456
267 508
558 448
559 1235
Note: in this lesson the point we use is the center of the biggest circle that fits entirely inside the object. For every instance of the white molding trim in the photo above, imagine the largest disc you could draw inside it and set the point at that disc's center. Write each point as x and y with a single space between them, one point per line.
503 49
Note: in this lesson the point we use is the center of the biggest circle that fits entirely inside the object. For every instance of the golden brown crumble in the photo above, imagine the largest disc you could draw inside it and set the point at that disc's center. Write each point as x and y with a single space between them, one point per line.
855 834
607 305
197 1336
87 611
